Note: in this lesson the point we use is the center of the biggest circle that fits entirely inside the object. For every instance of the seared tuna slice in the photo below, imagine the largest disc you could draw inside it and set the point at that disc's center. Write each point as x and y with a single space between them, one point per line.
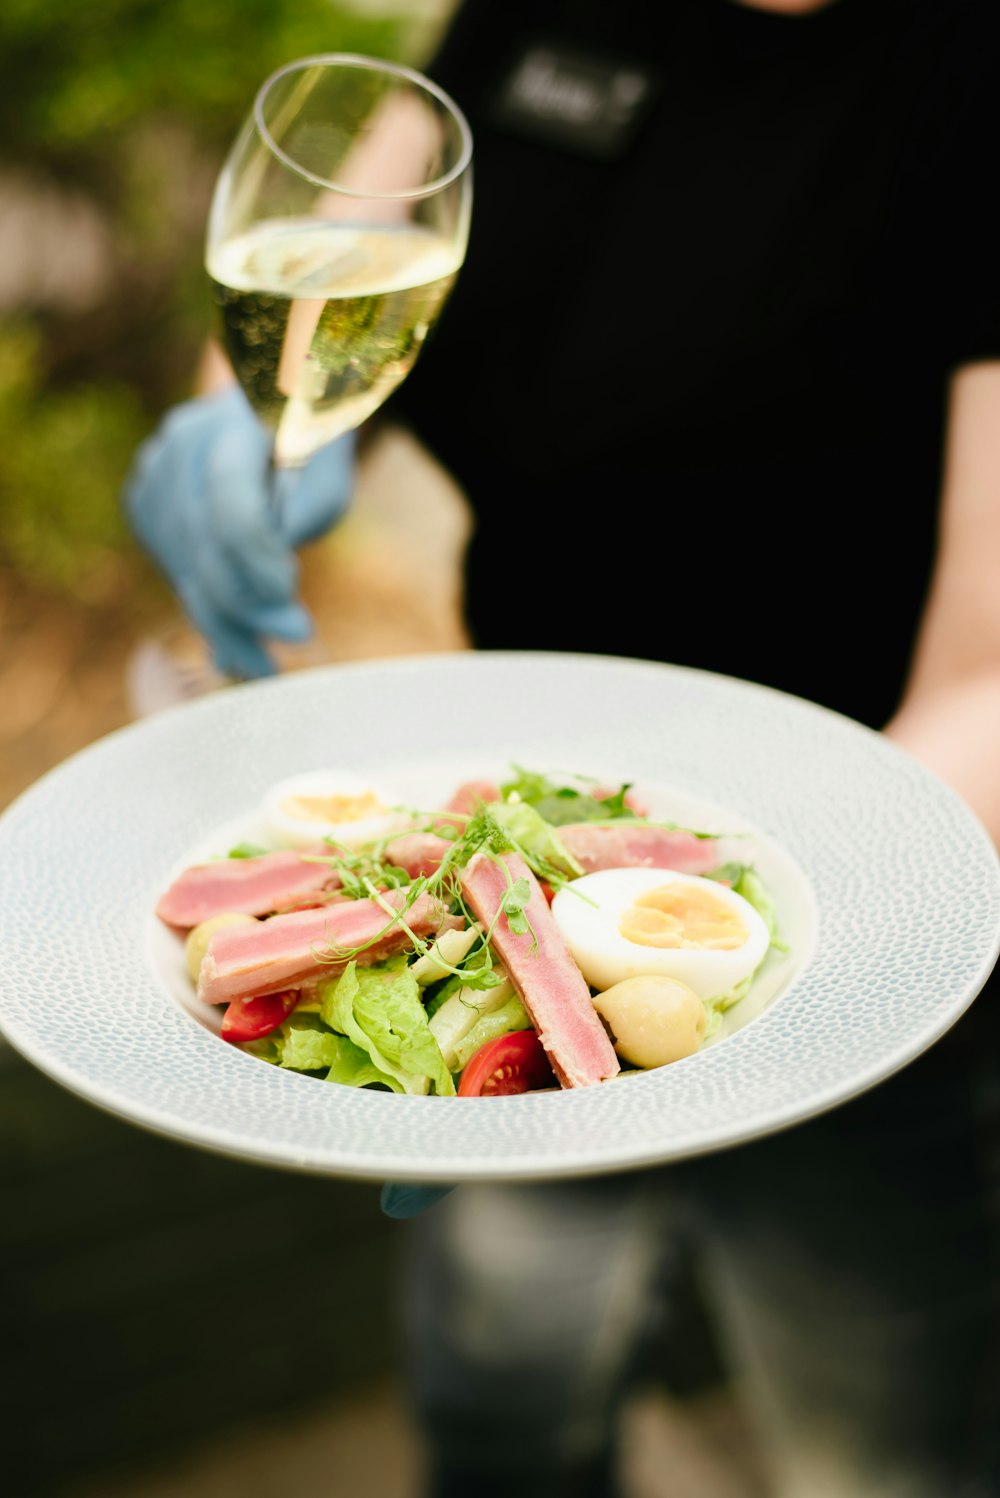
419 853
551 986
470 793
627 845
291 951
253 886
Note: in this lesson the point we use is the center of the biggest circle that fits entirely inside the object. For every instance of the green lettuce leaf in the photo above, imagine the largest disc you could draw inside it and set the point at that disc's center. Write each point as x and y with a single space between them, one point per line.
461 1011
380 1009
353 1067
526 824
477 974
294 1039
723 1001
561 804
510 1016
308 1049
305 1043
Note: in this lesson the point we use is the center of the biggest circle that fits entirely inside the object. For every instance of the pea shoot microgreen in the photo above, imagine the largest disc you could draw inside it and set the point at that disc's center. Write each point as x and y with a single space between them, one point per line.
369 874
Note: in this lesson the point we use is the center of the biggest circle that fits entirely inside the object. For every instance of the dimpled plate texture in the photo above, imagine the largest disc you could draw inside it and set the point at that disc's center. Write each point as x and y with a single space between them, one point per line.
906 885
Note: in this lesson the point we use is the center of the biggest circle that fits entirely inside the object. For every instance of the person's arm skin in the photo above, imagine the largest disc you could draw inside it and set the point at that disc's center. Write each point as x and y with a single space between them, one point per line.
214 370
949 717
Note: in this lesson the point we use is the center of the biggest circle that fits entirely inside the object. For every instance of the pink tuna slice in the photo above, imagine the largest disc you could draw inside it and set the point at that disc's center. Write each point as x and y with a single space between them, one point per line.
552 987
470 793
291 951
629 845
253 886
419 853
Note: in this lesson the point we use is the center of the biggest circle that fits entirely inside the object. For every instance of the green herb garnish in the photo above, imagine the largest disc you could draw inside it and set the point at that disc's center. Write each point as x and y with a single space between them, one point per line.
561 804
247 850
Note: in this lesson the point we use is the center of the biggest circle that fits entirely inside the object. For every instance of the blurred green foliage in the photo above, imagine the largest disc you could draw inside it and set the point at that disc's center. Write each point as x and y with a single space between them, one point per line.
131 104
77 73
64 457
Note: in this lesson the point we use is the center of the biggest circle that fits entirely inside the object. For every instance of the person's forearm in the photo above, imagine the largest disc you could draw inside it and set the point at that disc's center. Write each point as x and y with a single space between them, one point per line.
955 731
214 371
950 714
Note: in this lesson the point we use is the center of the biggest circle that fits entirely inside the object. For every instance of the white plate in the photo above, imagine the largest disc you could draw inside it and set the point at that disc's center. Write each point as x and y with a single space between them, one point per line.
887 888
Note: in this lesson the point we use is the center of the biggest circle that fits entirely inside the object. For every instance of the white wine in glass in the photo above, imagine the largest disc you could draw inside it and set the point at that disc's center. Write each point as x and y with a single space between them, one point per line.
338 226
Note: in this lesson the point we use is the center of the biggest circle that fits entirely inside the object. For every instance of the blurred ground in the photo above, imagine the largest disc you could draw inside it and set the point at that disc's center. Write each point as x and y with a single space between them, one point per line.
158 1358
366 1445
180 1325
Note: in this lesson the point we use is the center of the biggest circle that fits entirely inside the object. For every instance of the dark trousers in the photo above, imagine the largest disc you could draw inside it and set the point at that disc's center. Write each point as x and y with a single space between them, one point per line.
853 1264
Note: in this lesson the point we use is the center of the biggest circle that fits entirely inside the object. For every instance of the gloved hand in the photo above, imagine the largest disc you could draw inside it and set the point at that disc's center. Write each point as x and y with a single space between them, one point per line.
410 1201
205 503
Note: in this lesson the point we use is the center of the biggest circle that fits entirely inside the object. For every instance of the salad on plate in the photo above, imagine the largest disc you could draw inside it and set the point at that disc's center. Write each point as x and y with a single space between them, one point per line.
541 932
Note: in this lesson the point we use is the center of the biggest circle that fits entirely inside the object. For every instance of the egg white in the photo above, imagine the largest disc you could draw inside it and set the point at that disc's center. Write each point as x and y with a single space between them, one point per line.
285 831
606 957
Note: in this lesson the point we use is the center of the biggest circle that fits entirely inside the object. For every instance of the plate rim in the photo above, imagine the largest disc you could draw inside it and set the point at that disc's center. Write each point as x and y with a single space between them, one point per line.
512 1168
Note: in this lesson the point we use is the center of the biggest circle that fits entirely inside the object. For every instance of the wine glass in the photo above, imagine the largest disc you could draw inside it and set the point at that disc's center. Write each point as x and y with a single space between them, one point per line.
337 228
338 225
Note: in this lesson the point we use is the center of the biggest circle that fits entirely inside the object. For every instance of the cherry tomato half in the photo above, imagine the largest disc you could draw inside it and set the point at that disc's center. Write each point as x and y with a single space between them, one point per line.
252 1019
511 1063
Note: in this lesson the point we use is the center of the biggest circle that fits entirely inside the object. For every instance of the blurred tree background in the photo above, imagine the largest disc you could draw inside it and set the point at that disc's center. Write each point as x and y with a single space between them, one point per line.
115 116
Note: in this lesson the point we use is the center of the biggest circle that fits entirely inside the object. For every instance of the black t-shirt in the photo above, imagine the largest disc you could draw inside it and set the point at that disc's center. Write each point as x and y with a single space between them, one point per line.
693 373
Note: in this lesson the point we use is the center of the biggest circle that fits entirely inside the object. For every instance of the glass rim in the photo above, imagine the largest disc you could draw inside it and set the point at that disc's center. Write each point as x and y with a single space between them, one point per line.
374 64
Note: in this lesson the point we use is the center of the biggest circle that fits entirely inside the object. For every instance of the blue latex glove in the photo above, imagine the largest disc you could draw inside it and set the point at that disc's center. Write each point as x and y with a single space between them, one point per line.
204 502
410 1201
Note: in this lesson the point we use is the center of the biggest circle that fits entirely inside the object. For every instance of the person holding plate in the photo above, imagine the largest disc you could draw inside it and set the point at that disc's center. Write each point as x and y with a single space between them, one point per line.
721 379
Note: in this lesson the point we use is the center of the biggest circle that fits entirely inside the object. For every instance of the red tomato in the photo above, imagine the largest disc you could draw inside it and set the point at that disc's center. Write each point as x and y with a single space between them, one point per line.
252 1019
511 1063
547 890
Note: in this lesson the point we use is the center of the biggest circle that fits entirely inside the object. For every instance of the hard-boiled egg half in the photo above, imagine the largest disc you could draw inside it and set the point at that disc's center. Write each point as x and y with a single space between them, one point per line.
635 922
351 809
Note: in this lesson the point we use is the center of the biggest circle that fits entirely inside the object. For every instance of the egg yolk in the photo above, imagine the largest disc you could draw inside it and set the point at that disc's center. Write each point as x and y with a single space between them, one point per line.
677 915
335 809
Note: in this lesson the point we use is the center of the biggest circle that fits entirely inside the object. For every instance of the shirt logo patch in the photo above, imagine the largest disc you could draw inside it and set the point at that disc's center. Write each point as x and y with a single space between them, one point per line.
587 104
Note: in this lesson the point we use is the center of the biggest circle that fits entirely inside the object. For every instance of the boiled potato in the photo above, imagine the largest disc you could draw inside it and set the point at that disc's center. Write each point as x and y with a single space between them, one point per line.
198 938
653 1019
